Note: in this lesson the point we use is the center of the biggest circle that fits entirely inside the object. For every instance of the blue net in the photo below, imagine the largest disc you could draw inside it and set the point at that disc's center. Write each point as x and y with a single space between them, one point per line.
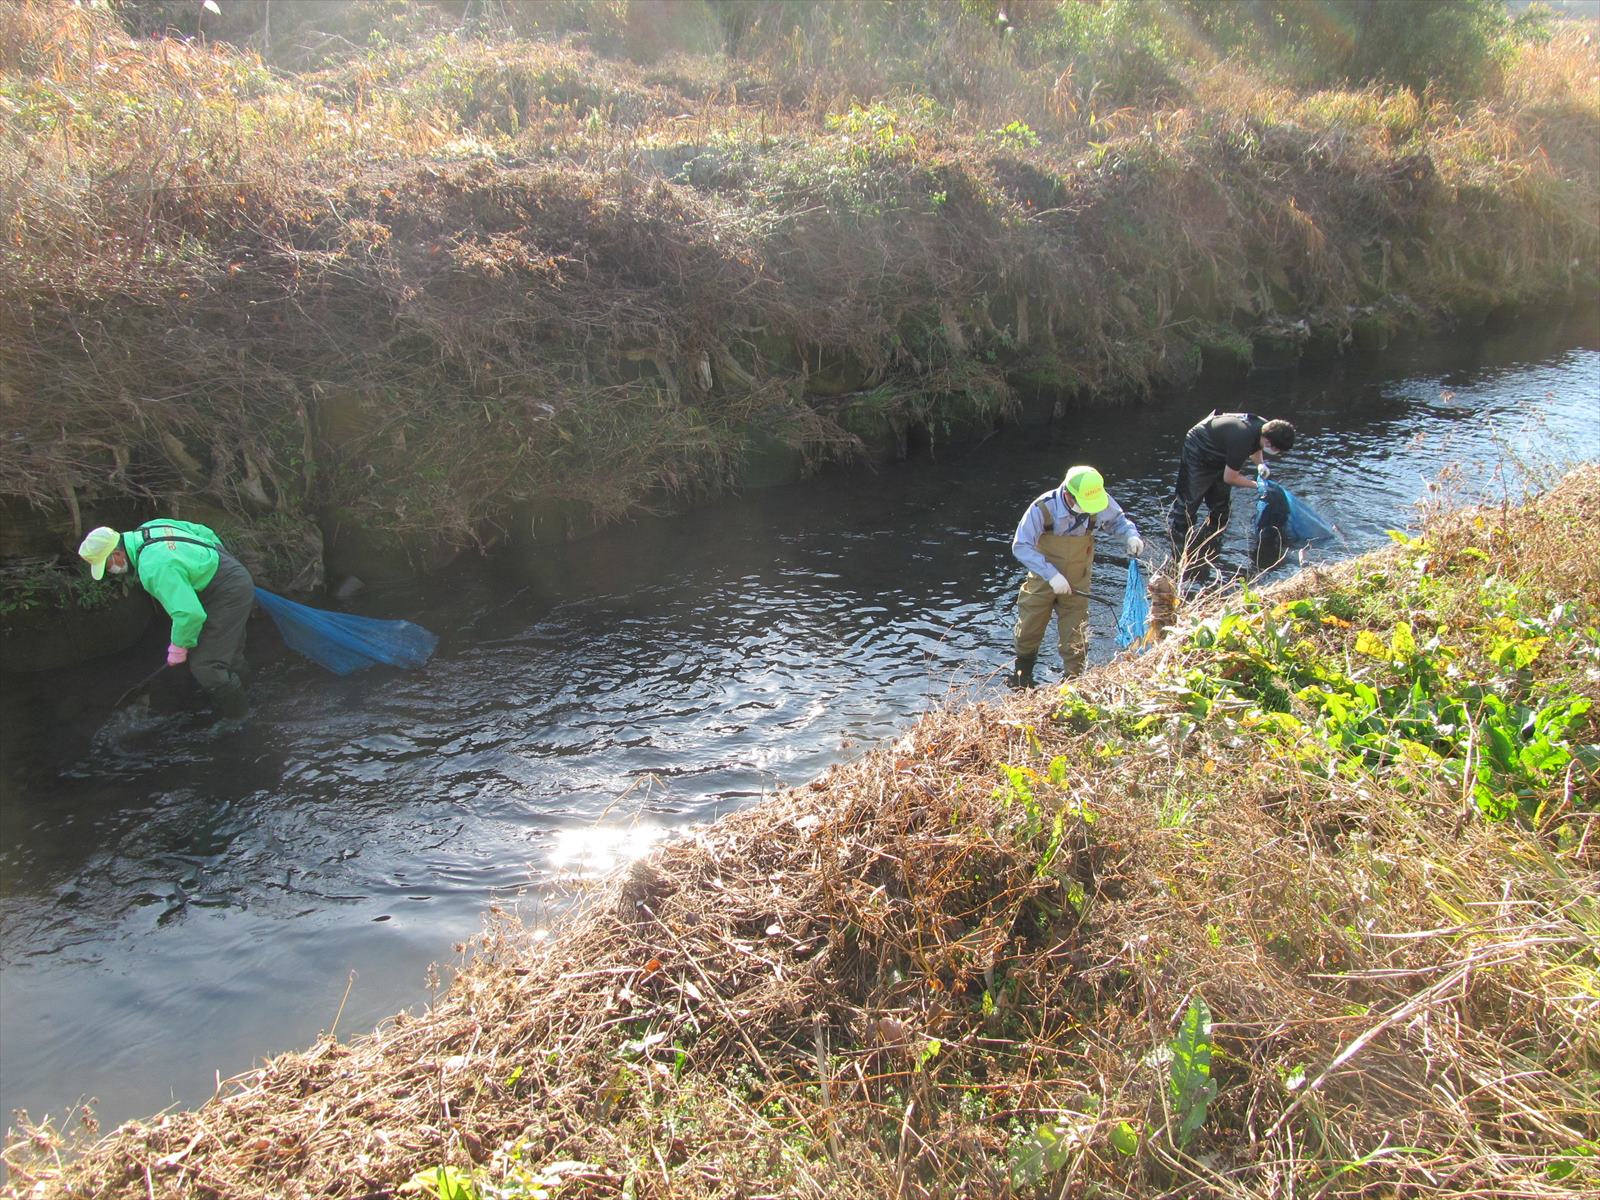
1279 508
344 642
1134 618
1306 523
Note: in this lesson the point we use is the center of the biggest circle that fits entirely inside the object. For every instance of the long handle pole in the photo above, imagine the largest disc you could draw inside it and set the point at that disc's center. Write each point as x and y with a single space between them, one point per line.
140 686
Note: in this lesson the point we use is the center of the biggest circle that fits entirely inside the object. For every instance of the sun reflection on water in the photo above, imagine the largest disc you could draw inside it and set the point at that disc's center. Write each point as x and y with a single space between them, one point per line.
594 851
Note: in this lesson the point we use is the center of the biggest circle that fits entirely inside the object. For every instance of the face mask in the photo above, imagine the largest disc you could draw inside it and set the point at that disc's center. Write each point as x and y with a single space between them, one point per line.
1270 450
117 569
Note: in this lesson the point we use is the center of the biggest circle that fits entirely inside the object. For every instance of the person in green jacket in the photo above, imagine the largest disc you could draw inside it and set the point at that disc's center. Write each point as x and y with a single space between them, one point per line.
205 590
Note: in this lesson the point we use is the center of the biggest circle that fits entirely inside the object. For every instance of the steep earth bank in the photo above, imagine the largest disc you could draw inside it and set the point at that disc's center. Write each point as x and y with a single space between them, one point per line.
357 358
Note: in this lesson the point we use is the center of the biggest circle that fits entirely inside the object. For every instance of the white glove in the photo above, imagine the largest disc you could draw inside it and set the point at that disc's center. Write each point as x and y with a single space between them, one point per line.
1059 584
1263 471
1135 545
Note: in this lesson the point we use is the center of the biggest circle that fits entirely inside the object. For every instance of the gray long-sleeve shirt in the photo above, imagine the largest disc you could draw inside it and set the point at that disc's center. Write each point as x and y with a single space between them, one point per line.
1111 521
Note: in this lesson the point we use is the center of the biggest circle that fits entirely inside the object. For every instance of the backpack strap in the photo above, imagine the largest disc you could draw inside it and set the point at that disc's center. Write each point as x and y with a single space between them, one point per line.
174 536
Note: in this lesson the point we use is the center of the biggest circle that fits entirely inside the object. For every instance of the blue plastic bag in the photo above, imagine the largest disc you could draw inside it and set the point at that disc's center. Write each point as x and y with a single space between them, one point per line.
1277 508
344 642
1305 523
1134 619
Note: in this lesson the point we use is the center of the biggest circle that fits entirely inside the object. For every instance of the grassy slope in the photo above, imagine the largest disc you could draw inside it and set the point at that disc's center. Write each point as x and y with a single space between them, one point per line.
434 287
962 965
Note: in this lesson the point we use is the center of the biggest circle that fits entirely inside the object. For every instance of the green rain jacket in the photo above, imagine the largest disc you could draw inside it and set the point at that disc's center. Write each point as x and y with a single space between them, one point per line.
175 572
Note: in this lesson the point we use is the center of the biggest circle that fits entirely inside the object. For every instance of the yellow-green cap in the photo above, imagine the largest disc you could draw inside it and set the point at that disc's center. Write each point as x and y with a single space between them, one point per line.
98 546
1088 490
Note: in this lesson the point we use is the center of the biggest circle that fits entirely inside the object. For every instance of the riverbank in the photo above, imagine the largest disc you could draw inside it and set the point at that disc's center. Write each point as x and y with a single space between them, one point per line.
463 289
1303 897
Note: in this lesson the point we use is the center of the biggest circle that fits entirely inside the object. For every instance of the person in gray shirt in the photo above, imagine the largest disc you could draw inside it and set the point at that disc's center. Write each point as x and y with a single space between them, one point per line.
1055 540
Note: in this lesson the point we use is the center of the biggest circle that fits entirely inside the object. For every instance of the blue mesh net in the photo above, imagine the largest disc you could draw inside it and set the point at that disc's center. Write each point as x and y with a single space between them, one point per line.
1134 618
1279 508
344 642
1306 523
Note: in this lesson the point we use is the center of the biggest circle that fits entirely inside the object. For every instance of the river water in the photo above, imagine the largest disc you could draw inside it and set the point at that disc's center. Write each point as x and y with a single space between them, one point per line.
178 902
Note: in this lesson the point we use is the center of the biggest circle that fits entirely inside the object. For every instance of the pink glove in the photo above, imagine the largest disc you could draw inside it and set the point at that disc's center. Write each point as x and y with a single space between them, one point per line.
176 655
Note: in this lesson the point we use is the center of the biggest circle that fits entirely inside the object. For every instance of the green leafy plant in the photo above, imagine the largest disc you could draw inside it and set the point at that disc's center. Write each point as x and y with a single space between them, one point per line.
1017 791
873 134
443 1183
1124 1138
508 1176
1189 1083
1034 823
52 590
1015 135
1043 1151
1580 1164
1403 699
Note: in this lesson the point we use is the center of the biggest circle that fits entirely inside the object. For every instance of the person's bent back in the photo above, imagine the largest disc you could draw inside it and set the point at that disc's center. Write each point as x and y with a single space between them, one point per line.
1215 452
205 591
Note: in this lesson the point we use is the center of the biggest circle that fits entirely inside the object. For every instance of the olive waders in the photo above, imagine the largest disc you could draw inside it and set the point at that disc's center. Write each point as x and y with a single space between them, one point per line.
1073 556
217 661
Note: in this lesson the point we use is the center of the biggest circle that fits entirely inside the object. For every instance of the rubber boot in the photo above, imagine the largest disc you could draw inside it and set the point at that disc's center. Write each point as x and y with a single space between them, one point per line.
229 702
1021 675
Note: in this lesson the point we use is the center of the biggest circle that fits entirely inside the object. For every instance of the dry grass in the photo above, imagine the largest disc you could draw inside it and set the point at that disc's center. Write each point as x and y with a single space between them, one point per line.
590 280
884 983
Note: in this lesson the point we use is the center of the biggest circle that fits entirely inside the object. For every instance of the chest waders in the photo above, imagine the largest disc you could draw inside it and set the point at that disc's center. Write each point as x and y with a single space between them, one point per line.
1073 556
217 660
1200 481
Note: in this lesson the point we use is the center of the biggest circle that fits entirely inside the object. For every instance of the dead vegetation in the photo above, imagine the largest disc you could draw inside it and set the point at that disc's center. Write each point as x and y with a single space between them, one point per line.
968 964
431 287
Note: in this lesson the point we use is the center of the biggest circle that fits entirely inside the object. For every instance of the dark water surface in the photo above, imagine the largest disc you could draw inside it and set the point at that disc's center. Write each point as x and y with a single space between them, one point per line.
177 902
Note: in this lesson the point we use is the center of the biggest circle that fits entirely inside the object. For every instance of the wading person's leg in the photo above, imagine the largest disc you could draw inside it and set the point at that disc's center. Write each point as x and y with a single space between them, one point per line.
1219 501
1181 512
1072 611
1072 627
1197 484
215 660
1035 603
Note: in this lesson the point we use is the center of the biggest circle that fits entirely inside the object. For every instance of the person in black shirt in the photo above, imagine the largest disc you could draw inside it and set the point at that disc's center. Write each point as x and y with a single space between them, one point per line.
1215 451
